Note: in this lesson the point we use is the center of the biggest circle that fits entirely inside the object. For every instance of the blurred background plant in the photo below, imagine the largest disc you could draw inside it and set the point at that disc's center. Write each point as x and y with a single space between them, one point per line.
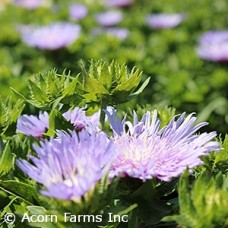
180 81
179 77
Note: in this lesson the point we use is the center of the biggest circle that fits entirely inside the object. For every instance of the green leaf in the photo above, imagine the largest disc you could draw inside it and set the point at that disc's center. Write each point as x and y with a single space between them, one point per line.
70 88
50 219
203 203
6 160
36 93
56 102
19 95
109 84
7 207
222 155
142 87
92 85
9 113
102 195
57 121
129 84
151 209
16 111
185 200
37 210
22 190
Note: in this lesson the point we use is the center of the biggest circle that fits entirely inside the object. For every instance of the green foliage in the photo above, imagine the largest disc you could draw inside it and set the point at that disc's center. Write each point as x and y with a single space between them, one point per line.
110 84
220 163
36 211
102 85
9 113
6 160
25 191
217 161
203 203
49 89
152 199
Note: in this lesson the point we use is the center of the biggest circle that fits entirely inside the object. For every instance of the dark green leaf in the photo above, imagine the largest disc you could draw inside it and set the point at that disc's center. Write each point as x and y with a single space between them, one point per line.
6 160
22 190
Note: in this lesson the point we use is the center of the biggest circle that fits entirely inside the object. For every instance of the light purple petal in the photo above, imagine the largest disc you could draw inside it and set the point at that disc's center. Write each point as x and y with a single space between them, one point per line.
80 120
33 125
161 21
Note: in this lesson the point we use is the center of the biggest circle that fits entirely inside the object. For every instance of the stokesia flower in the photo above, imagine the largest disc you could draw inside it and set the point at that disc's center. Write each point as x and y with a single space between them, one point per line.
30 4
119 3
109 18
213 45
78 11
51 37
120 33
33 125
70 165
80 120
146 151
160 21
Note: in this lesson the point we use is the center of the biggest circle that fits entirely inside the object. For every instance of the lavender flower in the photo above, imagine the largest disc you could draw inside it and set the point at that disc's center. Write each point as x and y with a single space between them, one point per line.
51 37
78 11
146 152
160 21
213 45
79 119
70 165
30 4
109 18
32 125
120 33
119 3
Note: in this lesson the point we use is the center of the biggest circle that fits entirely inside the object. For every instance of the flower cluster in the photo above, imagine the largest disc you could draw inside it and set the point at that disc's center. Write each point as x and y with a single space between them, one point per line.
71 164
37 126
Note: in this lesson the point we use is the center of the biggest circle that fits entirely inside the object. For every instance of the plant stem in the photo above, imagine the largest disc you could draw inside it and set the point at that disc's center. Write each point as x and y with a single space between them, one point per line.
102 115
